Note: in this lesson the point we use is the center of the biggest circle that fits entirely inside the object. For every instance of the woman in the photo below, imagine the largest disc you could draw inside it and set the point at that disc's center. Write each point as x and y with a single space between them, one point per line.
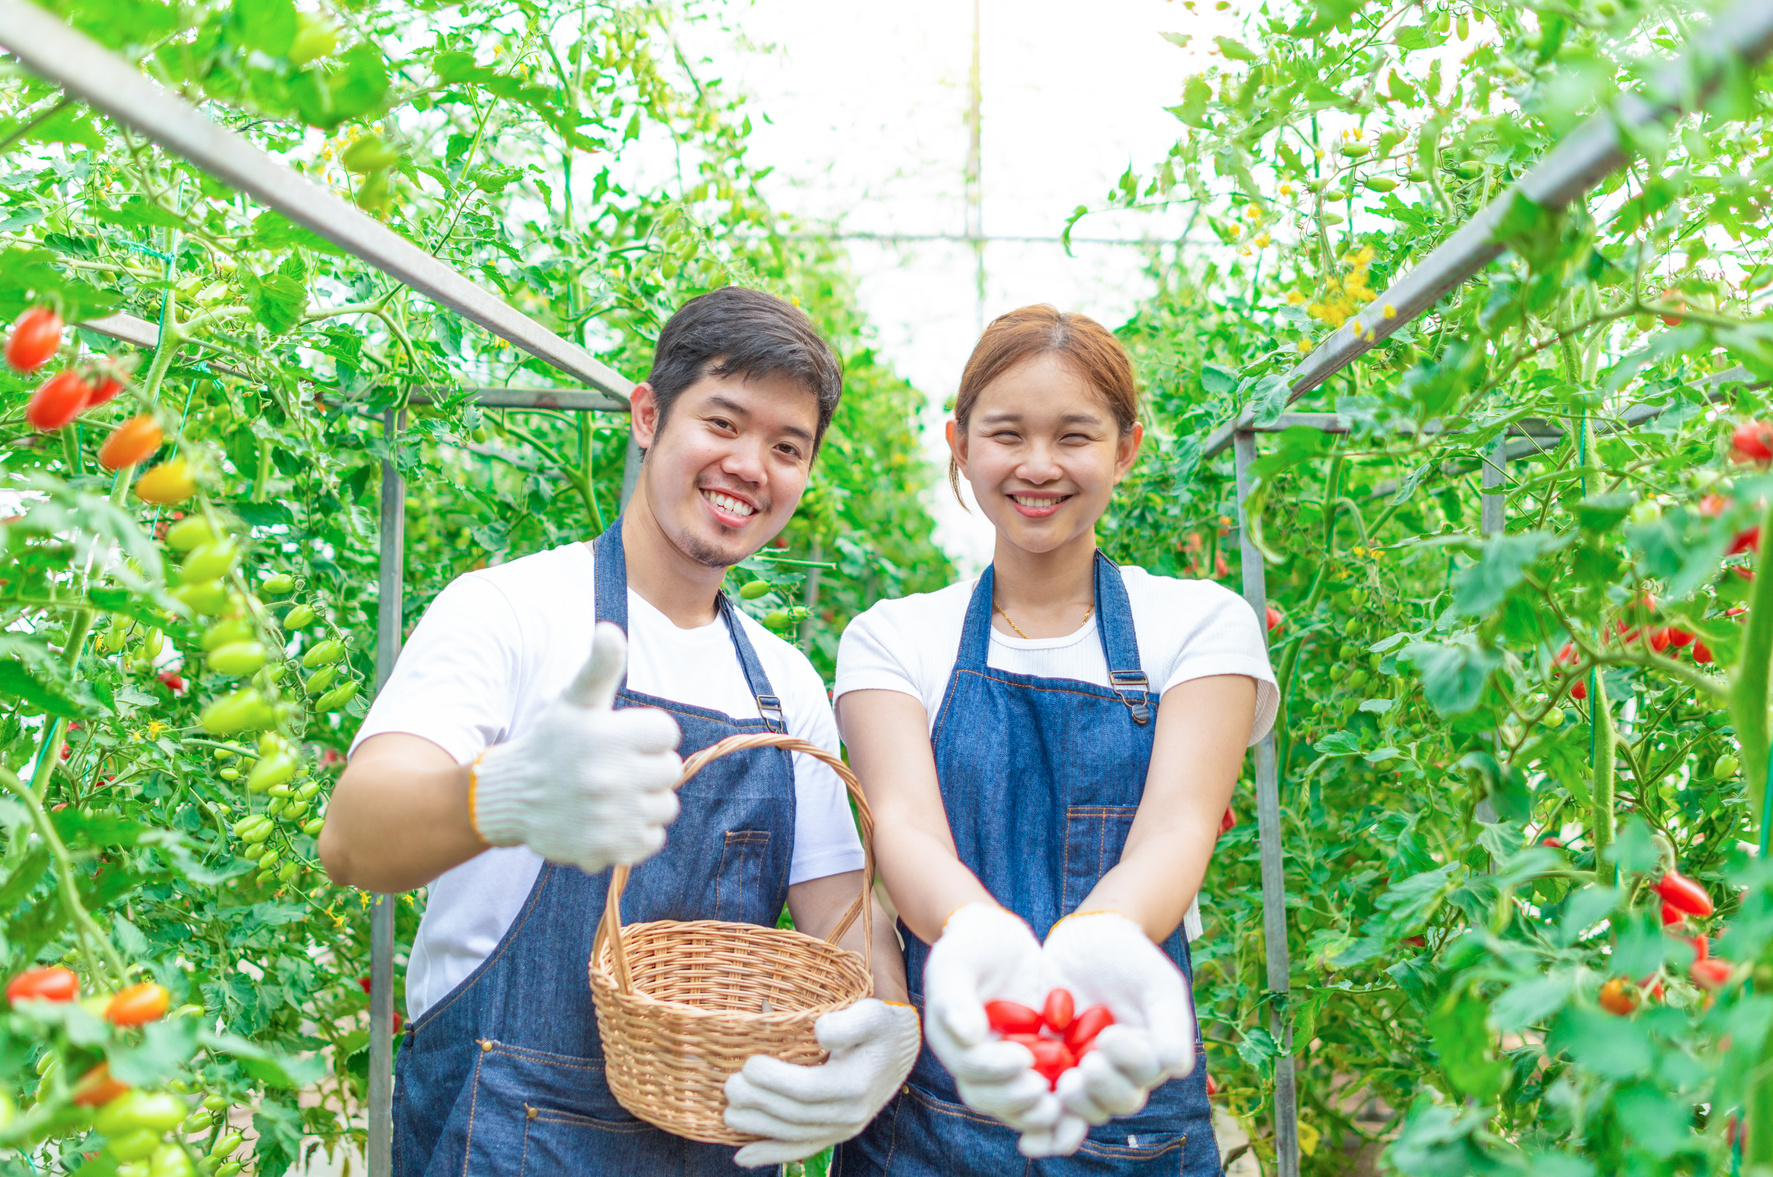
1048 752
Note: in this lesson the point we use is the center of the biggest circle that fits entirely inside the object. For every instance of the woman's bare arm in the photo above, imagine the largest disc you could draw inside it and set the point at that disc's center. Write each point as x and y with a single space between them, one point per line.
1203 728
817 905
888 737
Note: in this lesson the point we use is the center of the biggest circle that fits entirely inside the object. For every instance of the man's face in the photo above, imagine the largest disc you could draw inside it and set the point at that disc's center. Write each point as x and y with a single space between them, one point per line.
725 472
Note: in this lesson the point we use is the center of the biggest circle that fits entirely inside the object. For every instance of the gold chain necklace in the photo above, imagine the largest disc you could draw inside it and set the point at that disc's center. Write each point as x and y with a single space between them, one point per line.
1088 613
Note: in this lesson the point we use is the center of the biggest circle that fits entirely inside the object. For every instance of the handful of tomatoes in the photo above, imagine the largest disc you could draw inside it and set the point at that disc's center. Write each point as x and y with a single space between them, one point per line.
1058 1035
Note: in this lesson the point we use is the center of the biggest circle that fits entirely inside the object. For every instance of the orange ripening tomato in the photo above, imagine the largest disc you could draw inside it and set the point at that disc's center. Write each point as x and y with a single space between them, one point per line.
35 337
1617 997
49 984
131 442
96 1088
1012 1017
57 401
168 483
137 1004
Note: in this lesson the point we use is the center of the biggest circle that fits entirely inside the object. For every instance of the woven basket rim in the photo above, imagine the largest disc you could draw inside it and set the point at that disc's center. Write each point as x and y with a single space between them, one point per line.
605 973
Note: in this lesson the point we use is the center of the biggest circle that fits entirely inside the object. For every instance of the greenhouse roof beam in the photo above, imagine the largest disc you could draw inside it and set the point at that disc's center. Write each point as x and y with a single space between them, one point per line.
109 83
1741 35
143 334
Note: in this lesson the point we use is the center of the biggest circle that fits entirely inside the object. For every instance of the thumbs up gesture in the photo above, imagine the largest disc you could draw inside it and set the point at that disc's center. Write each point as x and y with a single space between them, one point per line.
585 785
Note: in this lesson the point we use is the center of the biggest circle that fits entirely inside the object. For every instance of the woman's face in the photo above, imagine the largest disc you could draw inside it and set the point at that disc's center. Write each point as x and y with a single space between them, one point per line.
1043 452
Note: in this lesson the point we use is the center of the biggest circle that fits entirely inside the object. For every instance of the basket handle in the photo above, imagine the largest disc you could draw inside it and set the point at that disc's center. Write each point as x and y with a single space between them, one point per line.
610 926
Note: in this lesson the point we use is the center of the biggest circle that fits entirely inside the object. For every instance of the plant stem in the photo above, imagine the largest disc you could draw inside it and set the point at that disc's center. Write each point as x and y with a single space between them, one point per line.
1748 690
84 926
1606 739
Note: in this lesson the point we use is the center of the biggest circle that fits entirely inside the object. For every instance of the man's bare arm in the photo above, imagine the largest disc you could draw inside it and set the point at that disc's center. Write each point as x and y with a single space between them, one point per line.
399 816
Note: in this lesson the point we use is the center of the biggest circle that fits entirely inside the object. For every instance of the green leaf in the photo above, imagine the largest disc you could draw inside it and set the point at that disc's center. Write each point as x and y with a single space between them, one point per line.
1235 50
277 301
266 25
165 1050
1527 1003
18 683
1453 673
1612 1047
1500 566
1463 1042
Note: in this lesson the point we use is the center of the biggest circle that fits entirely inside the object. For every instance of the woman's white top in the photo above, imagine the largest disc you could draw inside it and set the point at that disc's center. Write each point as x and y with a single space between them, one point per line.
1186 629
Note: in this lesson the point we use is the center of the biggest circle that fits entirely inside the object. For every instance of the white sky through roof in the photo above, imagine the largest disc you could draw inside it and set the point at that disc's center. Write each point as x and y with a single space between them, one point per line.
867 129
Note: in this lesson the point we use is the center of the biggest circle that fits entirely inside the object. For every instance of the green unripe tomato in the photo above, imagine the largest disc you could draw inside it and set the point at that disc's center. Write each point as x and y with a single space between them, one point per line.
779 619
227 632
231 1169
315 39
134 1145
321 679
337 697
237 658
481 434
1416 176
239 712
299 616
114 639
216 1103
307 791
276 671
272 770
1471 169
276 806
170 1160
1381 183
1357 680
189 532
205 597
756 589
8 1111
313 828
289 872
1338 672
157 1112
330 650
283 791
48 1062
1725 767
225 753
229 774
226 1145
1355 149
279 584
208 561
294 810
268 859
134 1169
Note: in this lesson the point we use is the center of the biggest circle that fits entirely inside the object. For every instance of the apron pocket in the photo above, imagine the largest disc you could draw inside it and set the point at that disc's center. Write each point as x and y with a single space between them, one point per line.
535 1112
932 1137
1144 1156
1094 837
739 887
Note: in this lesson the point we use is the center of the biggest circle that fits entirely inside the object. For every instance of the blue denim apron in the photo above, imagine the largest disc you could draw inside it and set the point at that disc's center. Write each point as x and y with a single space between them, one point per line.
1041 778
505 1074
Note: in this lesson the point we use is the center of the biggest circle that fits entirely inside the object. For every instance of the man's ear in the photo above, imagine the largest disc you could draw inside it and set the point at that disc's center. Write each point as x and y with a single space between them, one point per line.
643 415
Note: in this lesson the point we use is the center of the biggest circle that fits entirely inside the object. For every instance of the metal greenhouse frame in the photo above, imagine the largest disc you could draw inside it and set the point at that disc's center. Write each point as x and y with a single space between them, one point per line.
84 69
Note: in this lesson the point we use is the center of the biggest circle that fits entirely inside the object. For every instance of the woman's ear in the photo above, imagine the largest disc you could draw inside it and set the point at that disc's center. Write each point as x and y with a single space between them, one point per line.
643 415
1127 449
957 442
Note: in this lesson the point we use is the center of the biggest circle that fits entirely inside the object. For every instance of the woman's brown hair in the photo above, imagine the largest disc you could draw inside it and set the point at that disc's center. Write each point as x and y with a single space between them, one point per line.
1041 330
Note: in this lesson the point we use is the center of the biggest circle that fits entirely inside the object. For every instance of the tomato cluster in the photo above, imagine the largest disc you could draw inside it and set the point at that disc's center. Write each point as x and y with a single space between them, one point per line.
1057 1034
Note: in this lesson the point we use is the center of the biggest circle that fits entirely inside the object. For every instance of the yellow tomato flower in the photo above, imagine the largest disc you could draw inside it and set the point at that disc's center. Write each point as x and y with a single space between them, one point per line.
1253 213
1304 346
1286 189
1390 311
1262 240
1294 298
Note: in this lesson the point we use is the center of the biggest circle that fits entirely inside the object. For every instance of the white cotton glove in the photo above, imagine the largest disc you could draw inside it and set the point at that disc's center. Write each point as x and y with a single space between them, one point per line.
585 785
800 1111
1106 959
985 954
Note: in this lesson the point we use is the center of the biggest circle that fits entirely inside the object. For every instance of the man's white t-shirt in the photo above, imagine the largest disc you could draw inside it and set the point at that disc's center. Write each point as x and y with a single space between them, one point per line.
501 643
1186 629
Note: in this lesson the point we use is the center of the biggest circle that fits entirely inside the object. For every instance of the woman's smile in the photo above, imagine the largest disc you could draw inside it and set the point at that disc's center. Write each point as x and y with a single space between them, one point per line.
1039 505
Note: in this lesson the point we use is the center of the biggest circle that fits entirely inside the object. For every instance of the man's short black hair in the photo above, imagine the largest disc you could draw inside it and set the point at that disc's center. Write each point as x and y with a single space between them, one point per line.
735 331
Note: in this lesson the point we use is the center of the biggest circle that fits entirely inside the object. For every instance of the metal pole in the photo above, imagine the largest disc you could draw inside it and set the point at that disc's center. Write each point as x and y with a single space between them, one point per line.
1269 836
1491 522
391 585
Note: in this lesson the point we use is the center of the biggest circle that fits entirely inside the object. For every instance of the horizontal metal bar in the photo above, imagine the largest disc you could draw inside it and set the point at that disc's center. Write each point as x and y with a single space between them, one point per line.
109 83
1579 162
144 334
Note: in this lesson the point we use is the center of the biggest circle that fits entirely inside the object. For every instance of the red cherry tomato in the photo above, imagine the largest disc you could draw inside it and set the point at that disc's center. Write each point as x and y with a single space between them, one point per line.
1051 1060
1087 1025
1275 618
1579 691
1059 1010
1027 1040
1671 915
35 337
137 1004
1752 441
1679 637
106 389
48 984
1566 656
1012 1017
1701 947
131 443
1683 894
1701 652
1746 541
1552 840
57 401
1710 973
1659 639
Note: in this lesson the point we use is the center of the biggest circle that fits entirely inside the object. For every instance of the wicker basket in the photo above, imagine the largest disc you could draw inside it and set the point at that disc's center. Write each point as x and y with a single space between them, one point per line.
682 1005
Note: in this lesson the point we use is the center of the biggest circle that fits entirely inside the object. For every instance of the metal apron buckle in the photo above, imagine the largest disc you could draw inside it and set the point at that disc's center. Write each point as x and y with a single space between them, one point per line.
1134 690
770 707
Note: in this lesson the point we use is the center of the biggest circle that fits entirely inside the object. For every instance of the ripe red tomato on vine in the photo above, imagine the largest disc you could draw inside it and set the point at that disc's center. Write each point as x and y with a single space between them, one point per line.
57 401
35 337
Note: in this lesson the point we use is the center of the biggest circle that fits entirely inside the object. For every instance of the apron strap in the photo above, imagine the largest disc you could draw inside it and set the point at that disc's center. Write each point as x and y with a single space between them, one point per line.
1120 644
975 638
612 605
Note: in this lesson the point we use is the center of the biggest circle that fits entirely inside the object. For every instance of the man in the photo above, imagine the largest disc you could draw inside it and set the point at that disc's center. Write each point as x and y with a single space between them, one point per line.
494 768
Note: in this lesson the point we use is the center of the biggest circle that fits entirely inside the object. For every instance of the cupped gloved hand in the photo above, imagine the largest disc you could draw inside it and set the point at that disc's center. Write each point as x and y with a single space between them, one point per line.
986 954
585 784
1104 958
800 1111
